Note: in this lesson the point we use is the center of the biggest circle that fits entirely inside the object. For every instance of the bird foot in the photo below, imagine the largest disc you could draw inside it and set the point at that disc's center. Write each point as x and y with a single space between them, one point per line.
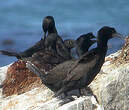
61 96
85 91
59 92
66 100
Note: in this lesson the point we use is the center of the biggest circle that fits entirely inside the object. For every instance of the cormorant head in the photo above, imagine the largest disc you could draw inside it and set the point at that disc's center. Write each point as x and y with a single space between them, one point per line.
48 24
106 33
85 39
84 42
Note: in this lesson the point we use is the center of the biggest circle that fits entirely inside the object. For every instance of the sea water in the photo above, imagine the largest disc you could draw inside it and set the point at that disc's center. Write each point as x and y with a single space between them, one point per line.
21 20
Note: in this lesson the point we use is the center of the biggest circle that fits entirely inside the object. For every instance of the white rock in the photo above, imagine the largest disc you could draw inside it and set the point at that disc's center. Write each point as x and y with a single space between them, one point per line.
41 99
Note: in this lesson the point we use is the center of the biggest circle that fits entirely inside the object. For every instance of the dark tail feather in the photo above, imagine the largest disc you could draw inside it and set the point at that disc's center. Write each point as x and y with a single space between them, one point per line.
3 52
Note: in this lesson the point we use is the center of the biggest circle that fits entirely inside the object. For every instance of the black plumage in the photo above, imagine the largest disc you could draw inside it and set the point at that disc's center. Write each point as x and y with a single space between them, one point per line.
53 42
51 58
77 74
54 59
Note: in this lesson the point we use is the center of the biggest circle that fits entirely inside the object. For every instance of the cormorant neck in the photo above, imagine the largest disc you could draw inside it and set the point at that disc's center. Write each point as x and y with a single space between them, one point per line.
102 43
102 47
52 30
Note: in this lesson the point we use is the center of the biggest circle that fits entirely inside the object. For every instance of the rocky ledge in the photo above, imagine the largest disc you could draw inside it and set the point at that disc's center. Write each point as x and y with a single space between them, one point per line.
109 90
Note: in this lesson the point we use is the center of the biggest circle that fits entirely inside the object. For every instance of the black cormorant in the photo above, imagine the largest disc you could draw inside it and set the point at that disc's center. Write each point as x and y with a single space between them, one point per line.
77 74
52 42
30 51
44 58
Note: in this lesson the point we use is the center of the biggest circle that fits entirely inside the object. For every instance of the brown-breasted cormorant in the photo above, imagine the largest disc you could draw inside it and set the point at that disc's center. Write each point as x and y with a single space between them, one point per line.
77 74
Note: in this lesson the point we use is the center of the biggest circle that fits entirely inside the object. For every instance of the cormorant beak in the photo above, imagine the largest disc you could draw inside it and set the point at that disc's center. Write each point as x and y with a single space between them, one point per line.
118 35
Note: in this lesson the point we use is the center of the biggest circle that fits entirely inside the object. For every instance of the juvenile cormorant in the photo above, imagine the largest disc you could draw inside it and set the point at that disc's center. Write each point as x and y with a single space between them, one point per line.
77 74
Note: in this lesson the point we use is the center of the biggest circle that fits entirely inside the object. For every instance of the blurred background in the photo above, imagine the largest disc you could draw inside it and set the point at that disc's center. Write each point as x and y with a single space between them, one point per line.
21 20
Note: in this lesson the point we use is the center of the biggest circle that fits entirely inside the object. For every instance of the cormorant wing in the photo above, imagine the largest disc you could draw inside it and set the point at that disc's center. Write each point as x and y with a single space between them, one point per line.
62 50
71 69
27 53
4 52
59 72
30 51
83 66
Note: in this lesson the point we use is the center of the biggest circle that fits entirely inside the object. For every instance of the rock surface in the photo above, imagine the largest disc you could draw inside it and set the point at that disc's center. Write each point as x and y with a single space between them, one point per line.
110 89
112 86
